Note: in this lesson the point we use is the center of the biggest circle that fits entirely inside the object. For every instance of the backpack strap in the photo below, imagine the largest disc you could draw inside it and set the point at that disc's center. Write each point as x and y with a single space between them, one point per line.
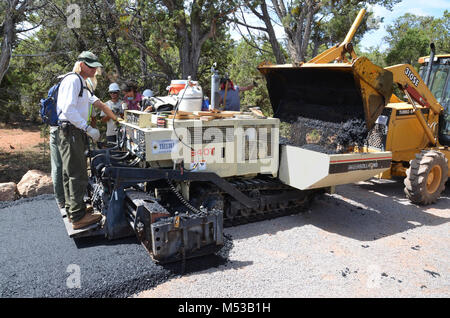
81 82
80 94
89 80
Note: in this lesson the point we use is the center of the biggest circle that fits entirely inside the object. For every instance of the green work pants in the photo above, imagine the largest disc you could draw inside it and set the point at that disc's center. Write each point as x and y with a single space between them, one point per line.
56 164
72 145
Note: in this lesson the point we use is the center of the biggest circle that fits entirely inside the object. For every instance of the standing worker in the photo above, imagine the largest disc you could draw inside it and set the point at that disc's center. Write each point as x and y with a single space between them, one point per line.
73 107
115 105
55 156
229 94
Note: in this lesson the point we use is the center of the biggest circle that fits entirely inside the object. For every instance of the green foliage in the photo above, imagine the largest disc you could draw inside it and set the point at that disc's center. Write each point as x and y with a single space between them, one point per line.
441 33
335 18
243 71
374 54
334 30
410 35
404 23
411 45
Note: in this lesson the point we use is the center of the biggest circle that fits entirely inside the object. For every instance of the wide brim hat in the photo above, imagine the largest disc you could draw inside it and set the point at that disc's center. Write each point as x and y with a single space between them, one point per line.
90 59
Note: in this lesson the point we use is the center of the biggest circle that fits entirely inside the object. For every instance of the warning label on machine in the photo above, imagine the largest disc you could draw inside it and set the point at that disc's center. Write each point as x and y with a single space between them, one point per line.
353 165
164 146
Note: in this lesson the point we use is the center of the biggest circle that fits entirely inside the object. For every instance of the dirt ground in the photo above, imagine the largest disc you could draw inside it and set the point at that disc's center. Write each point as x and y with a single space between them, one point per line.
22 148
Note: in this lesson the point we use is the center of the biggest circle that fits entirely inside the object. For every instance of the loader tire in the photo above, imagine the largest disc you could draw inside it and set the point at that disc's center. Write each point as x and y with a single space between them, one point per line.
426 177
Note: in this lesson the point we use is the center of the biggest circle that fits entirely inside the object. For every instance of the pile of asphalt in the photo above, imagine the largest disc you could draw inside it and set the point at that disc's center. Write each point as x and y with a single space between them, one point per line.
38 259
327 137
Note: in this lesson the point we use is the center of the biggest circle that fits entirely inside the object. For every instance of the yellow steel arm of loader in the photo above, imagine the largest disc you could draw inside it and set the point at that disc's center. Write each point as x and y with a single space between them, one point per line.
417 92
338 51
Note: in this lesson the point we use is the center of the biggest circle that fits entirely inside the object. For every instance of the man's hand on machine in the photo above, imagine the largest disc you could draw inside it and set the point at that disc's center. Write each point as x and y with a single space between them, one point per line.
93 133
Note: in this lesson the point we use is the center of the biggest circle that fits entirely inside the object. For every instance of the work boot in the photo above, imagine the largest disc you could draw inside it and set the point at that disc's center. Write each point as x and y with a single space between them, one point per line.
89 208
87 219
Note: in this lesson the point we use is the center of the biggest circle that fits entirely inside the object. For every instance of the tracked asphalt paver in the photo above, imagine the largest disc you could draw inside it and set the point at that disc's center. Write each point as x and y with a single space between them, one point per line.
38 259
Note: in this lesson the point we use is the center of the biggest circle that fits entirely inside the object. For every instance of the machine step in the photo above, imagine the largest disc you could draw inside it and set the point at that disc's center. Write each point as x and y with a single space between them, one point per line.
88 231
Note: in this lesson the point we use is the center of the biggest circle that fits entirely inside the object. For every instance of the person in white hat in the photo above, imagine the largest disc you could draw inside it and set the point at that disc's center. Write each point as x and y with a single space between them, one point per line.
147 93
115 105
145 103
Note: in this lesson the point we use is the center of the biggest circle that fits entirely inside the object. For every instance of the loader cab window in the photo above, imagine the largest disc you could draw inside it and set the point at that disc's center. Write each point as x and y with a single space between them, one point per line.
440 87
439 79
445 122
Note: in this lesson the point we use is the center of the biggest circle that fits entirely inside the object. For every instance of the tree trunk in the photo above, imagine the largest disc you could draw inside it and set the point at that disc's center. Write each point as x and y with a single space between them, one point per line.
298 33
192 43
279 57
186 61
111 18
315 45
142 55
8 38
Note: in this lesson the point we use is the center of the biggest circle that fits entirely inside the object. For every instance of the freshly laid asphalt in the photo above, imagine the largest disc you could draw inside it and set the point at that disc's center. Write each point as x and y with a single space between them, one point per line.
38 259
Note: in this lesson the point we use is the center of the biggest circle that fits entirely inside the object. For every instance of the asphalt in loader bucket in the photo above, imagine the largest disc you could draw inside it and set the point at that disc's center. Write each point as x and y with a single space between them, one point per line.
333 93
326 137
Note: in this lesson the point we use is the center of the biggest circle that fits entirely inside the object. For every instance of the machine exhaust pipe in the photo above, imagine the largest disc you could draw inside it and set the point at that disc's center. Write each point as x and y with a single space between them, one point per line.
430 64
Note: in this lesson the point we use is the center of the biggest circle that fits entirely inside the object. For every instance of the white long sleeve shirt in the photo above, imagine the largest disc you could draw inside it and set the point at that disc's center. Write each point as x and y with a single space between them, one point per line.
70 106
110 124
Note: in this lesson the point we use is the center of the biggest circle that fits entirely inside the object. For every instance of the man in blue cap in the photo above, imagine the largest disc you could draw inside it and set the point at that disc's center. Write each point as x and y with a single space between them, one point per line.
74 113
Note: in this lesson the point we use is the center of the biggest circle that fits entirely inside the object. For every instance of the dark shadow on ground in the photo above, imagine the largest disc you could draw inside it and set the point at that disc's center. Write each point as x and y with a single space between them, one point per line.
220 258
87 242
395 190
363 212
190 265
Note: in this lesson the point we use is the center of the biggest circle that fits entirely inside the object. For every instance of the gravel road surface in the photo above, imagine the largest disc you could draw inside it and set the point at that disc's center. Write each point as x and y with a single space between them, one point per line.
366 240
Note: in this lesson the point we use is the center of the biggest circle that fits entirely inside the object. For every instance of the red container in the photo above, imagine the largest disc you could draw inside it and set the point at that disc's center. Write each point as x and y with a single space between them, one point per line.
176 86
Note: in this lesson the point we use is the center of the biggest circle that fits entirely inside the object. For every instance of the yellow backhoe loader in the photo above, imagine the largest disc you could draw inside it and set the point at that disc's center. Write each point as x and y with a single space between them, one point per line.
417 130
337 85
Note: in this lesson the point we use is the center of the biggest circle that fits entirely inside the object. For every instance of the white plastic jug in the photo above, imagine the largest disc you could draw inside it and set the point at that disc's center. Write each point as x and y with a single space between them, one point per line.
190 98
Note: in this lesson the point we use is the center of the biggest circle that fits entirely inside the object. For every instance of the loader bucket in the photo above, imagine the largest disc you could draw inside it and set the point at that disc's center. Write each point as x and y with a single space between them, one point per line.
328 92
